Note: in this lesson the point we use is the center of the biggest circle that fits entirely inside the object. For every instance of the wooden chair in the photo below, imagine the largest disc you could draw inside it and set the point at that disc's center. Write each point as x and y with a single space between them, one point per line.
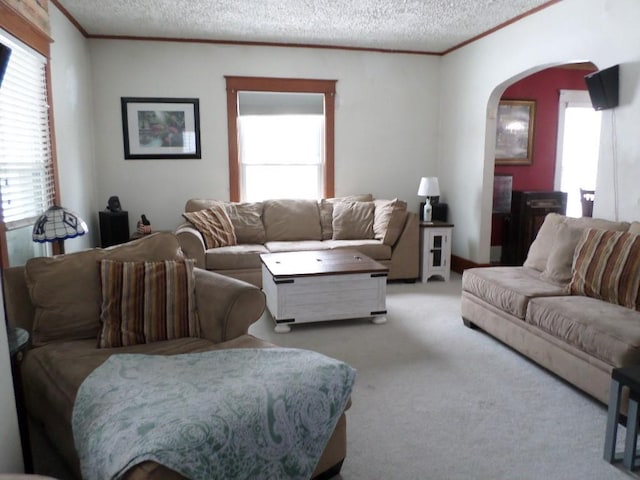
586 199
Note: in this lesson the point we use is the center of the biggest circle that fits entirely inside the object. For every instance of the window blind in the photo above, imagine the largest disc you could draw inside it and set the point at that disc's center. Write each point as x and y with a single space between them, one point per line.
27 186
280 103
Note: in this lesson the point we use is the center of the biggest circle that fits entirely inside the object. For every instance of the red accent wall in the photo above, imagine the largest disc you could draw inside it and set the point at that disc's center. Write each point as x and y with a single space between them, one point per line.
543 87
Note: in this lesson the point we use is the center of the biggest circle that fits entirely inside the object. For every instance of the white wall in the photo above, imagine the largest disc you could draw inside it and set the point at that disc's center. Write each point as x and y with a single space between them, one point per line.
386 118
73 119
603 31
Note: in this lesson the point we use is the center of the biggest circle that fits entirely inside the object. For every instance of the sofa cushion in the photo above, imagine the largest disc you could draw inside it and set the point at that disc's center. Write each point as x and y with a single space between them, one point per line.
508 288
634 228
539 250
65 289
560 259
214 225
291 219
53 374
239 257
606 331
300 245
607 266
146 302
374 249
353 220
388 219
326 218
326 211
247 221
358 197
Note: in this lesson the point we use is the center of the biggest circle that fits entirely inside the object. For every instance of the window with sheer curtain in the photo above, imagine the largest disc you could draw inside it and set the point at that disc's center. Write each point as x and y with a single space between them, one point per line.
27 185
280 145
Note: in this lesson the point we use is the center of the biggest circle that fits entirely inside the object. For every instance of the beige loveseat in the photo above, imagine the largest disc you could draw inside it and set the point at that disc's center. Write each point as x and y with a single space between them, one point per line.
381 229
58 300
572 307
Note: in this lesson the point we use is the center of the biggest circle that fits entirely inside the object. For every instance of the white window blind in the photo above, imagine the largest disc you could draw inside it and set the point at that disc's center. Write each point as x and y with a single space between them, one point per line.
26 165
280 144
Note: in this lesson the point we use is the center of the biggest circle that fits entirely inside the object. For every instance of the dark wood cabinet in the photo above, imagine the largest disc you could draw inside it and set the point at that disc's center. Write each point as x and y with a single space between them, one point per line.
521 225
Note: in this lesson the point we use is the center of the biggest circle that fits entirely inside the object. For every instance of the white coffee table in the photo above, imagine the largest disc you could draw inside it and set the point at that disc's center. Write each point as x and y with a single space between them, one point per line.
313 286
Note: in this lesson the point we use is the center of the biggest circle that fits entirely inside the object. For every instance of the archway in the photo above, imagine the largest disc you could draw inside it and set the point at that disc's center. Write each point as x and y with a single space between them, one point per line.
539 91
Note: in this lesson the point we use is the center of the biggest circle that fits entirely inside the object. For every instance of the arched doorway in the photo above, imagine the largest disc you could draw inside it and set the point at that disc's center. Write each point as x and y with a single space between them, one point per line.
538 171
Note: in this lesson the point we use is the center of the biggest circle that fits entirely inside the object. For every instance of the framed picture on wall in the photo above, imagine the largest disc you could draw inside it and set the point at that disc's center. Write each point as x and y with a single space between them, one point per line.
160 128
514 132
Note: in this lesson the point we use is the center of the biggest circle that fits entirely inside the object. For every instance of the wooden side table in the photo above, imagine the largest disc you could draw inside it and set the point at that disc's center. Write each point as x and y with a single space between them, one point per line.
18 343
435 250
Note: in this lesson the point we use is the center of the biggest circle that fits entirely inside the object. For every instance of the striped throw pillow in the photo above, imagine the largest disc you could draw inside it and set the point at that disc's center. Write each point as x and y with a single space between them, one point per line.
606 265
215 226
145 302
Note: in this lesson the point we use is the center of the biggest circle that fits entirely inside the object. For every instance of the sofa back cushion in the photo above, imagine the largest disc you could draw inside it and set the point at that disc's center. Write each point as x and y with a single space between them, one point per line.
65 289
606 266
291 219
325 207
353 220
388 219
543 243
634 228
146 302
246 218
326 211
560 259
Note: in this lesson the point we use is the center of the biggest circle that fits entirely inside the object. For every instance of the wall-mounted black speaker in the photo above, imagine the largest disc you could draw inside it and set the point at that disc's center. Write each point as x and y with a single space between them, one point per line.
5 53
603 87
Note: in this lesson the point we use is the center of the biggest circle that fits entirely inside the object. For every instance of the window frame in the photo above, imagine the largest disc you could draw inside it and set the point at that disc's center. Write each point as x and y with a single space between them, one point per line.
286 85
35 38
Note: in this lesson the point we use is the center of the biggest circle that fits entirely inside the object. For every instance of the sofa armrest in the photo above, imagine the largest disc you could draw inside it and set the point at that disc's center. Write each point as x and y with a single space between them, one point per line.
405 256
226 306
192 243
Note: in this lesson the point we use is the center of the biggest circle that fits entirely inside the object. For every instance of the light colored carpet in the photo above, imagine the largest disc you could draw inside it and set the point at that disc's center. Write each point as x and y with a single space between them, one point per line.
436 400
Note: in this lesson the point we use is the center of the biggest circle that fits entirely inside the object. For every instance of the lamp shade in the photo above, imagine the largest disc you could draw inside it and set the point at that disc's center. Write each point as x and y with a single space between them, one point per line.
58 223
429 187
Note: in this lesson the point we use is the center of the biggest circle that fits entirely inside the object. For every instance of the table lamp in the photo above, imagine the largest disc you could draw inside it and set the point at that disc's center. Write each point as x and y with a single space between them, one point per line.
428 188
57 224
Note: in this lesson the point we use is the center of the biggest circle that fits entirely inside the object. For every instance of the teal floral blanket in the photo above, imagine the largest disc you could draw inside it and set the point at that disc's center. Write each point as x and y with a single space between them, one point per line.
231 414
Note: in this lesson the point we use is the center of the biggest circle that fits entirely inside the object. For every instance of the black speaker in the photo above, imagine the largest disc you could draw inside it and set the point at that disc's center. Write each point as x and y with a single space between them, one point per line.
603 88
114 228
439 211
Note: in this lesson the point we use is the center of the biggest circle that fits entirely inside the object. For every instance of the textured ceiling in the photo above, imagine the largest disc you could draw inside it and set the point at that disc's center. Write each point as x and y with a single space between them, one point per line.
414 25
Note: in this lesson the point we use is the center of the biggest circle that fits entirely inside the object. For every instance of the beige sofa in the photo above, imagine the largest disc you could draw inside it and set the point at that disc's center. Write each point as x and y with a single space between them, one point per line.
565 308
381 229
57 299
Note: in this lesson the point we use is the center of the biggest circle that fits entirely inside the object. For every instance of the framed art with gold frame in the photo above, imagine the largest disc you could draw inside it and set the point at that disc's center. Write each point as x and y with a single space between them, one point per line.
514 132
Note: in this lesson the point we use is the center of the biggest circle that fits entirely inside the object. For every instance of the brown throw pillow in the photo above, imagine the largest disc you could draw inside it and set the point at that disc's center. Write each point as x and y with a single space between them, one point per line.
215 226
606 266
353 220
144 302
